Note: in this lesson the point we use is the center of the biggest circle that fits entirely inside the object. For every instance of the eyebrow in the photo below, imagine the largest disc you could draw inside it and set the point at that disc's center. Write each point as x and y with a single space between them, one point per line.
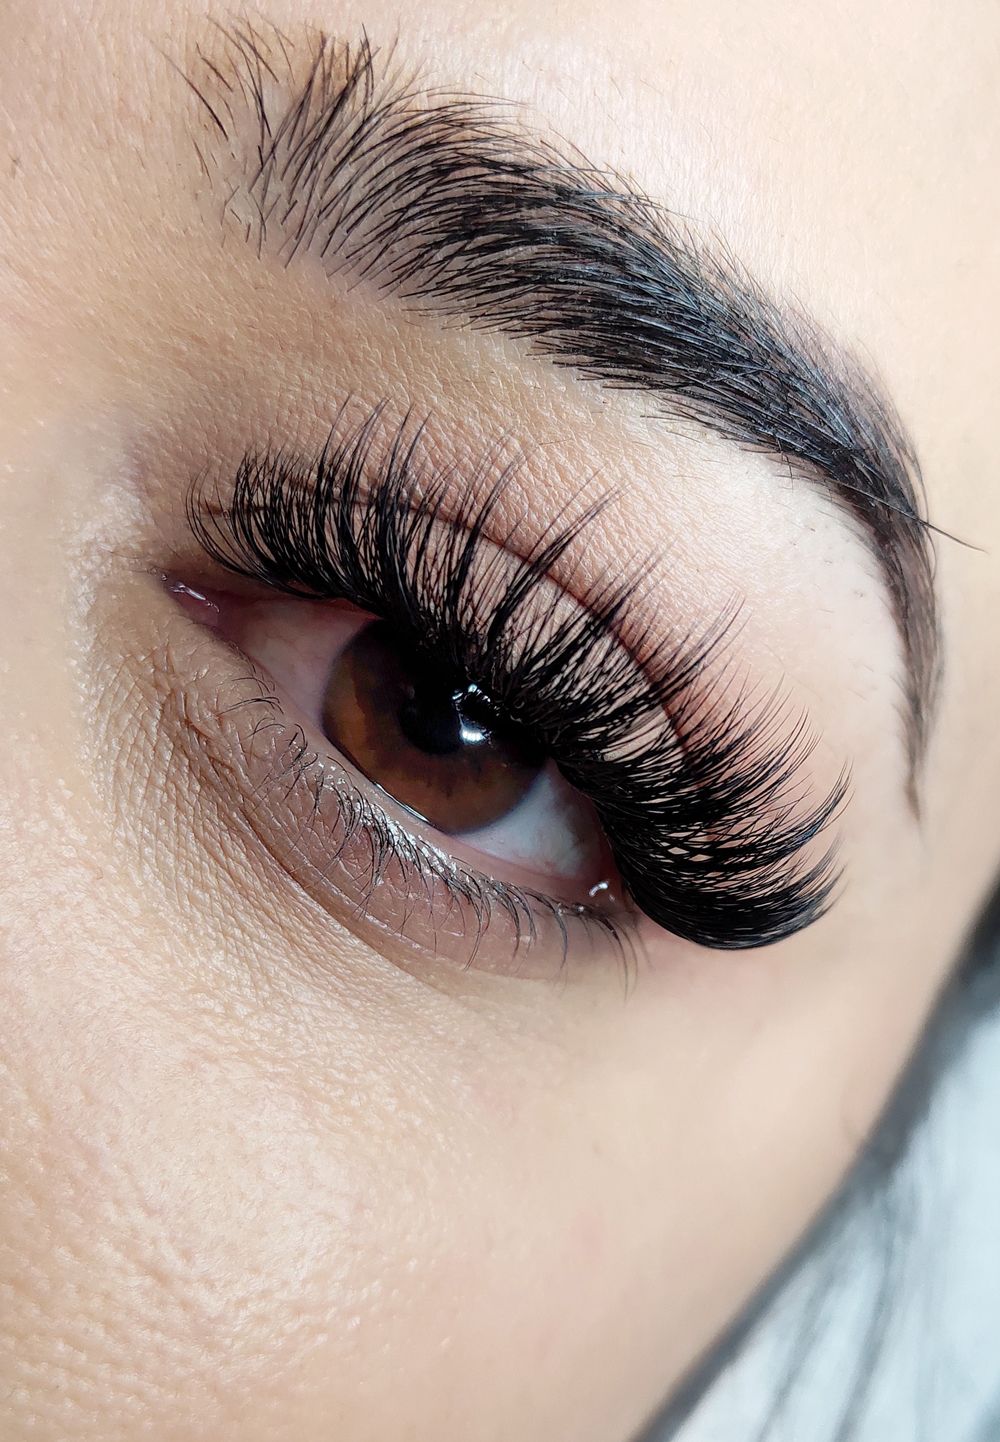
445 202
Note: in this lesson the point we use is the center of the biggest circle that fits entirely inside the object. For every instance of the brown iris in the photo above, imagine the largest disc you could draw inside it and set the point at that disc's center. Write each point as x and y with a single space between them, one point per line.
432 740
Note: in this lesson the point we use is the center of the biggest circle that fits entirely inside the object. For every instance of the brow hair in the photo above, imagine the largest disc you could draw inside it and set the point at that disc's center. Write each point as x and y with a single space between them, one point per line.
445 202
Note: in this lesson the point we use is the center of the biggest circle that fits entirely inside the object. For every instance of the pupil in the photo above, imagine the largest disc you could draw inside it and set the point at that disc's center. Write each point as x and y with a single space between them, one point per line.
432 719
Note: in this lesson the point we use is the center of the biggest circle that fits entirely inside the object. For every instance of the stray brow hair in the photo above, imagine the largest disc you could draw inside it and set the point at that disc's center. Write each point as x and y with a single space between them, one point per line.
444 202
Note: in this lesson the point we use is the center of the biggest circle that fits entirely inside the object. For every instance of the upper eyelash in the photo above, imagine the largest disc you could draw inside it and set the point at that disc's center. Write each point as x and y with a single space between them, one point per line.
700 810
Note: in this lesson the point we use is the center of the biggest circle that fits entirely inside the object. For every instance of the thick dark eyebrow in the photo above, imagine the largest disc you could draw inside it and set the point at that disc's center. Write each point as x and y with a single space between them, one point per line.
446 203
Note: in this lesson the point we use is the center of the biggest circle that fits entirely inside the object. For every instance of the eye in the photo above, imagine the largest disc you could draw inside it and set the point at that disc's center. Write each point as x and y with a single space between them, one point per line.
433 743
504 721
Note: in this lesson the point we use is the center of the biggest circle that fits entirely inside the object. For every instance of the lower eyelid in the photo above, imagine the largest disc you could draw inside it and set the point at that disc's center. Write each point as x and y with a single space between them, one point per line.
344 849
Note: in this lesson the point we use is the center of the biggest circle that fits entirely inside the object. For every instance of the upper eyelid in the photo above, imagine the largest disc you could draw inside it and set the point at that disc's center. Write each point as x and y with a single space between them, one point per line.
474 496
458 178
375 456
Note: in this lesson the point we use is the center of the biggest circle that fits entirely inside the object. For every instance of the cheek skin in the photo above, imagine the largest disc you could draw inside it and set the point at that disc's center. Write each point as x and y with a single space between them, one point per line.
250 1220
257 1245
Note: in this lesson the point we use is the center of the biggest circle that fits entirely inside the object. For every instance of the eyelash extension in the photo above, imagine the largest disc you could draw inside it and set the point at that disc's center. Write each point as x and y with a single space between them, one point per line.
698 798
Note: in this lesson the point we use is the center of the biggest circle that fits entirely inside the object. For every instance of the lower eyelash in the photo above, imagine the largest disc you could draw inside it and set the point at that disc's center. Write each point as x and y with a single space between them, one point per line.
352 830
698 798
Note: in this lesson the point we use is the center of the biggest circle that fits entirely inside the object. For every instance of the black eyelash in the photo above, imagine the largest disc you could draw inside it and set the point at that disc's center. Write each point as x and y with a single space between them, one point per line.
701 810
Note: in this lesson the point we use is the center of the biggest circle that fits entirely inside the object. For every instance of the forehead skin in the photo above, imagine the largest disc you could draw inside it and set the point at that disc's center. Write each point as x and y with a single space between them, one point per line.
238 1202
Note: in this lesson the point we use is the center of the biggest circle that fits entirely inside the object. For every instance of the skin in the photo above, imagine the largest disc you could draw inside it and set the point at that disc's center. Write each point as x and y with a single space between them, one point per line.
264 1173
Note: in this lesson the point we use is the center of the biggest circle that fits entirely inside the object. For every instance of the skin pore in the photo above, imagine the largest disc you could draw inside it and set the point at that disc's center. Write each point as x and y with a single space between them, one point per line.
267 1170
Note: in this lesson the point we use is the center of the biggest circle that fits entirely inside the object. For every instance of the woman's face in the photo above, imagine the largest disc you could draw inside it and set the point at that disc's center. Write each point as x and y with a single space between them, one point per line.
323 1118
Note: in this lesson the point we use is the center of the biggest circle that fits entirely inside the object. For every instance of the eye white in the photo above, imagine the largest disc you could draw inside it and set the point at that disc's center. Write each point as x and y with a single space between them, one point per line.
552 831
